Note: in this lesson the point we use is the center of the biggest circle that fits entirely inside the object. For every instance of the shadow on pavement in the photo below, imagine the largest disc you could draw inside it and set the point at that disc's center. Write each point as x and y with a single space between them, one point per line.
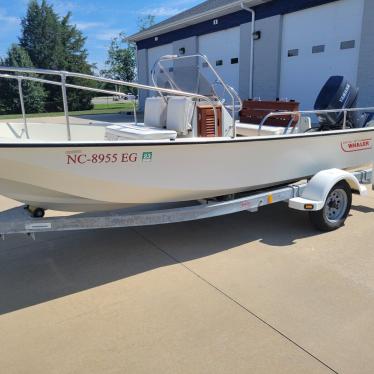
60 264
362 209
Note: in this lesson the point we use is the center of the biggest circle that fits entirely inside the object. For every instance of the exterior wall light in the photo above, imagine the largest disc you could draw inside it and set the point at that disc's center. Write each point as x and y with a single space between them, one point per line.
257 35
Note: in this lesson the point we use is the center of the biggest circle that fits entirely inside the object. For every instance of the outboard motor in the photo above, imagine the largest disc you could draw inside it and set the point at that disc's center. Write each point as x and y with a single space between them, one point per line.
338 93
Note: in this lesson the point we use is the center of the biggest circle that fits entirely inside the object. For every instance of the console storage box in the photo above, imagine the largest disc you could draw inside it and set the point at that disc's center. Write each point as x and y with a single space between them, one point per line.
254 112
205 121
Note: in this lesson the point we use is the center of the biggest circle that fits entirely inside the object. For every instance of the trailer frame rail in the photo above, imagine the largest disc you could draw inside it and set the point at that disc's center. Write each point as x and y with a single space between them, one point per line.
18 220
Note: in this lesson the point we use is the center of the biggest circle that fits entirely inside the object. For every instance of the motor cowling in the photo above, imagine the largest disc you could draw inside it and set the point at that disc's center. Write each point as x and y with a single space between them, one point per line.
339 93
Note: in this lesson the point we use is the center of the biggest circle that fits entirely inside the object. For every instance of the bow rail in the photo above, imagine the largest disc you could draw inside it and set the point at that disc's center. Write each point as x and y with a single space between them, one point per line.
65 74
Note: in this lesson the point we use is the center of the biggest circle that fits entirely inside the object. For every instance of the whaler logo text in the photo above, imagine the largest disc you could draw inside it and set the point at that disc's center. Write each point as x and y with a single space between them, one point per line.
357 145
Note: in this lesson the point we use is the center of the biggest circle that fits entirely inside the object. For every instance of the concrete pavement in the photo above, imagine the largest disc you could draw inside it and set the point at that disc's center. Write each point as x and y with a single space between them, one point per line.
246 293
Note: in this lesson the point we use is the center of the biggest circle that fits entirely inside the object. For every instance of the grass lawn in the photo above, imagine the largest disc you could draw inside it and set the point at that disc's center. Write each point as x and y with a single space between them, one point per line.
111 108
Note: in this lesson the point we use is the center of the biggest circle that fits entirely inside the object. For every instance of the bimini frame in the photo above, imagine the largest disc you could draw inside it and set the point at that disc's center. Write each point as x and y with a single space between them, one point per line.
64 85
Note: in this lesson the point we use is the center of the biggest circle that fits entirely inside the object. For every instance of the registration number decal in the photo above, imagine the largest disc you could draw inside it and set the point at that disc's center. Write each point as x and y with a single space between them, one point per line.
357 145
80 158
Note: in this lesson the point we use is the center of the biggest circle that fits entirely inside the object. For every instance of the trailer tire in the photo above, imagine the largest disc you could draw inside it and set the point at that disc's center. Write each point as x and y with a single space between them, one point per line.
38 213
336 209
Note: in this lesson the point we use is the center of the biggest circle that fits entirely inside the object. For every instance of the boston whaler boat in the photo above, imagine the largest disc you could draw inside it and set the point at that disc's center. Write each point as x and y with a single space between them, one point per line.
189 147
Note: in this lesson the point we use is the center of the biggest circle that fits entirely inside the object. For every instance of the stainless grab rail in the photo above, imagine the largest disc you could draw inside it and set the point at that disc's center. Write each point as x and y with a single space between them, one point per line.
174 85
301 112
64 74
23 108
231 92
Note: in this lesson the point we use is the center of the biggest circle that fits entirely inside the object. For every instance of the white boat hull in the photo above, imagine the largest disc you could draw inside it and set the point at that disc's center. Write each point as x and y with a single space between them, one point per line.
112 175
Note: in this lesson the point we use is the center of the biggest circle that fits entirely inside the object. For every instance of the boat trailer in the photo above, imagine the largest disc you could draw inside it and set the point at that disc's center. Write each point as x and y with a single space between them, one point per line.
310 195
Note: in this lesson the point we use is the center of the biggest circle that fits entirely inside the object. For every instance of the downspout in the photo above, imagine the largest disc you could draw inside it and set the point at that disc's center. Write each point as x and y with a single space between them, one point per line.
137 100
252 51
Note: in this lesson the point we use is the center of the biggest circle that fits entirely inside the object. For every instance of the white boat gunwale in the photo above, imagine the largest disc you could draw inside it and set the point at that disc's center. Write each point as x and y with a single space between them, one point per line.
181 141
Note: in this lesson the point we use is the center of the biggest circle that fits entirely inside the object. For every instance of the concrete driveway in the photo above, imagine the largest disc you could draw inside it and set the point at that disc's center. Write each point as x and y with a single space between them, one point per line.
246 293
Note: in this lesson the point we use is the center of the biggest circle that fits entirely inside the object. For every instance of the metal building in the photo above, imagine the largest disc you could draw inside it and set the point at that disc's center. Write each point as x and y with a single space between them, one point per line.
297 45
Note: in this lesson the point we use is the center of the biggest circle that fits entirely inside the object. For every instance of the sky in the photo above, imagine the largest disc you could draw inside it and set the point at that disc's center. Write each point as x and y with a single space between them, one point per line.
99 20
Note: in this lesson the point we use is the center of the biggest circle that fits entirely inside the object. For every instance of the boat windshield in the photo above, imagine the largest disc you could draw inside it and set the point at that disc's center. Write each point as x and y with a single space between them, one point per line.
194 74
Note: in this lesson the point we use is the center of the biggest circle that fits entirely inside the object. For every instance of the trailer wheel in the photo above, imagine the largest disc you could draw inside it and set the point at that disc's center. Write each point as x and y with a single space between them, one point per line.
336 209
36 212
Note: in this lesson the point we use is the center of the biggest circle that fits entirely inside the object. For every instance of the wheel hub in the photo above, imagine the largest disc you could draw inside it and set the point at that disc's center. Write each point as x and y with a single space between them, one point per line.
336 205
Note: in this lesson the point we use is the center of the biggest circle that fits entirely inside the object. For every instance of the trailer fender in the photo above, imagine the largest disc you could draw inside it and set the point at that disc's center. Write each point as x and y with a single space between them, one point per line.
314 195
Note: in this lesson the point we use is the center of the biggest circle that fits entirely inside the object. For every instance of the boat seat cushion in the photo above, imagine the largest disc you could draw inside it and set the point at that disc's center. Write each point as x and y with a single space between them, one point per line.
179 114
155 112
132 131
248 129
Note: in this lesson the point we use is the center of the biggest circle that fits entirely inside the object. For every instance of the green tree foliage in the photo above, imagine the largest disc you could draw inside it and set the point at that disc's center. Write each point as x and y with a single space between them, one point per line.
120 63
34 93
53 42
41 35
146 22
76 61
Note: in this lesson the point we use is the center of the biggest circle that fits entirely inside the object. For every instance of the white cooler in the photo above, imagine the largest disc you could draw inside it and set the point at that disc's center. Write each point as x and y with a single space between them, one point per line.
132 131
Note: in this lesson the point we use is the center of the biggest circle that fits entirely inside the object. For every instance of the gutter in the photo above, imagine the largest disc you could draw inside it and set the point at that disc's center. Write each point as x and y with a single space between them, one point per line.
252 52
225 9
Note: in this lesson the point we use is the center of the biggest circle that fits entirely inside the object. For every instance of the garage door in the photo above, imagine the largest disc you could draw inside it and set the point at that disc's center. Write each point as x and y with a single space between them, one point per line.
154 54
222 50
317 43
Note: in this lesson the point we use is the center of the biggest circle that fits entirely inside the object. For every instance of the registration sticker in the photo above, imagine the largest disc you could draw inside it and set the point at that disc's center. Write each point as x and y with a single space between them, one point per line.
147 157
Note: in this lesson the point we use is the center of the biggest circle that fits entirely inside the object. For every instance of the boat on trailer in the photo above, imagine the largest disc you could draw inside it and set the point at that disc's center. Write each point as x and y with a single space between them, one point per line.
189 147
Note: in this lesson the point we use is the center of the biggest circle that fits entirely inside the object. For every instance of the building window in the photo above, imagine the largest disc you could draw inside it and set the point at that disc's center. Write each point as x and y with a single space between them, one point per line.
171 70
219 62
234 60
318 49
205 65
182 51
349 44
293 52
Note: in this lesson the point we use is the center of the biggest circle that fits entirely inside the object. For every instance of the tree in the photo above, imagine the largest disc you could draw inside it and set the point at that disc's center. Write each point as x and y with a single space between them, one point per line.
121 63
53 42
41 36
75 60
146 22
33 92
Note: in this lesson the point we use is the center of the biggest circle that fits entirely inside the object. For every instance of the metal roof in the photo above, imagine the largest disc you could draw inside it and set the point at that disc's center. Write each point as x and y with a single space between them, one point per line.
199 13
